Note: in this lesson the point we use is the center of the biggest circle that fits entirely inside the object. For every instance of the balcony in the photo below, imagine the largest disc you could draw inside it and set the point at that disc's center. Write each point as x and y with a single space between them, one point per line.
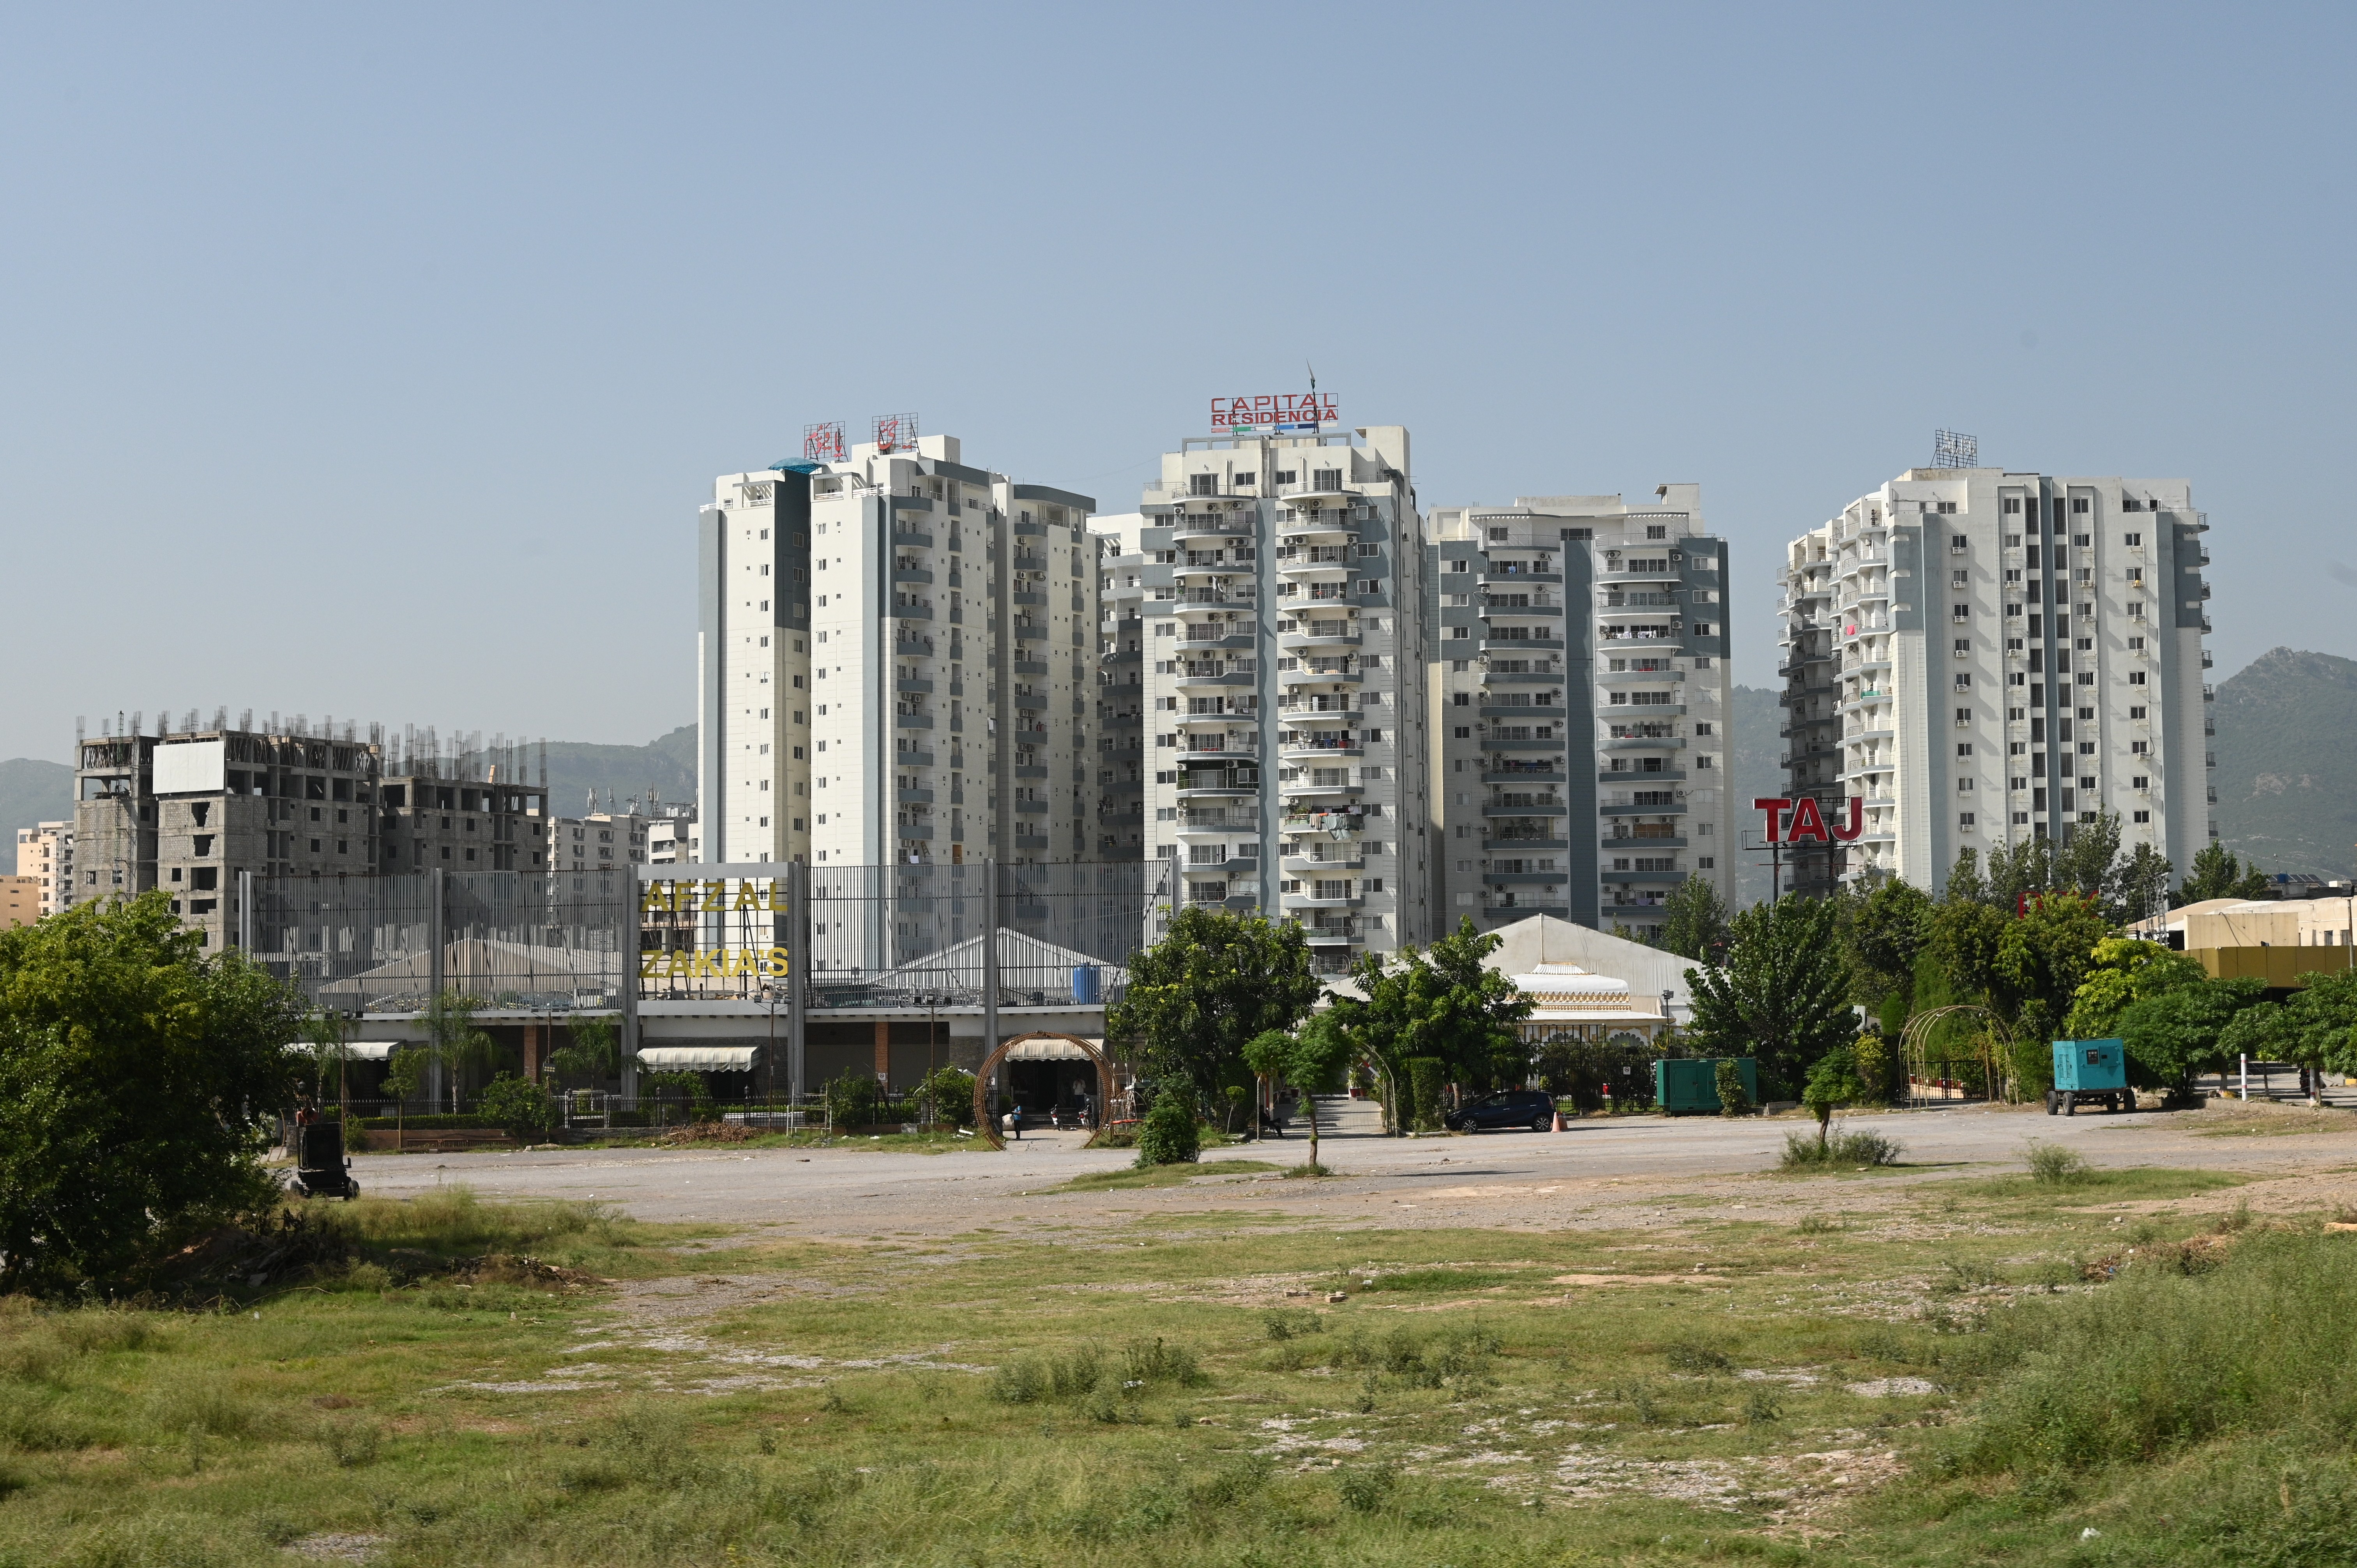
1490 642
1312 866
1519 711
1634 808
1311 901
1322 634
1511 771
1532 808
1506 576
1524 846
1320 672
1627 844
1630 776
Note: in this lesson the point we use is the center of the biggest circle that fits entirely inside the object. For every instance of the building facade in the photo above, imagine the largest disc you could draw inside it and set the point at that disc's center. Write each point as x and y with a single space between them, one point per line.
20 901
1580 701
897 663
189 811
45 852
1279 659
1121 759
1975 657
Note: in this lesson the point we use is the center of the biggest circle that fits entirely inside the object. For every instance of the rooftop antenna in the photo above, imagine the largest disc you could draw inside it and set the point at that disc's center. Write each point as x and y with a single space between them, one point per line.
1954 449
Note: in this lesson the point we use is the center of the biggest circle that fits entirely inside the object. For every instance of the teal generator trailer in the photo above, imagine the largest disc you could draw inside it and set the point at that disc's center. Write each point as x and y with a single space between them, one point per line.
2090 1072
1690 1087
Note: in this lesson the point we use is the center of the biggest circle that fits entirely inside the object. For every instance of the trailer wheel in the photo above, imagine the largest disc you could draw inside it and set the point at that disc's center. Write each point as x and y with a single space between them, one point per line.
2051 1106
2125 1104
2071 1105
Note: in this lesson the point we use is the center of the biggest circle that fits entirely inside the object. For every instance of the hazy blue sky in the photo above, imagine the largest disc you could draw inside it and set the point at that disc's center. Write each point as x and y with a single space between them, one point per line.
374 363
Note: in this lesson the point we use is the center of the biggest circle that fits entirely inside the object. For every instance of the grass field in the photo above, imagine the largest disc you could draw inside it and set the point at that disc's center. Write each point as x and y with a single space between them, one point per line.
2003 1370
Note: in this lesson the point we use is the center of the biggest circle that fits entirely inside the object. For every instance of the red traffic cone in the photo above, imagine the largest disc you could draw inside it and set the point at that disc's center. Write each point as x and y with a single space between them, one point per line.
1558 1119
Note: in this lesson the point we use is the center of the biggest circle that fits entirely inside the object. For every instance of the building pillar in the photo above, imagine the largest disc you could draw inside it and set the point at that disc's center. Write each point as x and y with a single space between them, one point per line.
883 1052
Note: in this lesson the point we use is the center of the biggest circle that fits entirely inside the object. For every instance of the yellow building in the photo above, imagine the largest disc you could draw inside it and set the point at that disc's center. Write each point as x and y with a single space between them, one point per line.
20 901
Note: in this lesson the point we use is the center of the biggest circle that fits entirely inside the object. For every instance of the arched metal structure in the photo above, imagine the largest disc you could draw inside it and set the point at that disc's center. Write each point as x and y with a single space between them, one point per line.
987 1124
1918 1033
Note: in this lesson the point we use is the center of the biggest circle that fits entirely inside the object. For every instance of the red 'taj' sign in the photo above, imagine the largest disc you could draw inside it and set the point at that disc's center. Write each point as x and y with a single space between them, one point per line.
1279 412
1808 823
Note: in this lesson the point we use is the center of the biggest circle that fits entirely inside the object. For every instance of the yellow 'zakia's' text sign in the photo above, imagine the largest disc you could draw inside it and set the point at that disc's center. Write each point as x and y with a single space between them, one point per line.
712 963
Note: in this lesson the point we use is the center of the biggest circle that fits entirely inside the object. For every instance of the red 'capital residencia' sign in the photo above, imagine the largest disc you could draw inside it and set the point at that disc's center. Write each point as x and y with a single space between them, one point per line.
1273 410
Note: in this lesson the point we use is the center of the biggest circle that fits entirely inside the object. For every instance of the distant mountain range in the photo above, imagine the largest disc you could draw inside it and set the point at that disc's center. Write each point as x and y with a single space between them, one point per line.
2287 748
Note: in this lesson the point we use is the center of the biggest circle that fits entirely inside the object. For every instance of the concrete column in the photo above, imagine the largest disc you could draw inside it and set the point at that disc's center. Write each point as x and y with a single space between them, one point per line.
797 977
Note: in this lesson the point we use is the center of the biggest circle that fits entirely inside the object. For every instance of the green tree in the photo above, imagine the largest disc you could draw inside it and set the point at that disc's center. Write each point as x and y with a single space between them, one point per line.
2122 971
1832 1082
1310 1058
453 1039
2316 1028
1209 986
327 1034
593 1049
1965 937
1694 921
2173 1035
1783 994
138 1081
949 1089
1441 1003
404 1074
2142 885
1884 932
2042 956
1872 1054
2218 873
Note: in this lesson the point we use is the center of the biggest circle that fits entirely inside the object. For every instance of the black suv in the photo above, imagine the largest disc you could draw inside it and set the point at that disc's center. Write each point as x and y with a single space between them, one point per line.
1509 1108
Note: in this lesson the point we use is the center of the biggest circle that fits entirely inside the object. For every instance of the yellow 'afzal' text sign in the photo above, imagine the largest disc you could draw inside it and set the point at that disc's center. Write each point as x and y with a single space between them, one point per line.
717 897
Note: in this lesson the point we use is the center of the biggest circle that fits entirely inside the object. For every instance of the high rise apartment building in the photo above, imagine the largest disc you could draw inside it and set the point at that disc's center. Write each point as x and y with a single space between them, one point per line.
1975 658
1281 668
1580 701
45 852
1121 759
897 663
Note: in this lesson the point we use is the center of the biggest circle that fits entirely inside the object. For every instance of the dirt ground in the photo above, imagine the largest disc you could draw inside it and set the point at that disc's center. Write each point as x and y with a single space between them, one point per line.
1599 1174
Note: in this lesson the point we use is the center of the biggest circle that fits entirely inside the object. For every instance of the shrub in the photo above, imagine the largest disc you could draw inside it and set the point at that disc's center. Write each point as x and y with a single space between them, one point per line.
1160 1361
1692 1356
2050 1165
1425 1077
1366 1488
951 1092
1168 1136
1842 1150
1872 1056
522 1110
1292 1322
1732 1100
853 1101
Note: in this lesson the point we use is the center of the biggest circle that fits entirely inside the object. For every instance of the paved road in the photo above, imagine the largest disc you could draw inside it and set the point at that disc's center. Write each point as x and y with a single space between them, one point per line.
1597 1173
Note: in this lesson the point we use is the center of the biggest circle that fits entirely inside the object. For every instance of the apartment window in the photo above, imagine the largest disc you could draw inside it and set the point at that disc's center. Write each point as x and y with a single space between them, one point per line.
2137 713
1957 542
1964 647
1959 578
1960 612
2012 507
1964 683
2133 541
1964 716
2140 748
1965 820
2141 781
1963 786
2143 816
2136 677
1964 748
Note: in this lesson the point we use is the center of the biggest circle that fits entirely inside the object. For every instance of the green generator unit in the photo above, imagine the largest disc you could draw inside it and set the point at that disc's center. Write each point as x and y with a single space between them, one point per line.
1691 1087
2090 1072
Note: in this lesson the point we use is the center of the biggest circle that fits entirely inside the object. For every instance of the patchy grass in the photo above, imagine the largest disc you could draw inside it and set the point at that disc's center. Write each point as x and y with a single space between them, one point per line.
1981 1382
1160 1175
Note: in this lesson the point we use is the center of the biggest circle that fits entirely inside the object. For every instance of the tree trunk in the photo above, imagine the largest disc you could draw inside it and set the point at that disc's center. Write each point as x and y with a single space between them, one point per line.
1309 1101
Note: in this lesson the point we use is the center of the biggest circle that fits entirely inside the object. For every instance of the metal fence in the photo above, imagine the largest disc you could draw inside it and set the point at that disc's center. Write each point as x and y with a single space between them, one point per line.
387 945
878 936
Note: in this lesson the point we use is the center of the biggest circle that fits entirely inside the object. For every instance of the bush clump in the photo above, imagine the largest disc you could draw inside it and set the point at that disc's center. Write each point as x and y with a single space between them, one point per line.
2050 1165
522 1110
1841 1149
1168 1135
